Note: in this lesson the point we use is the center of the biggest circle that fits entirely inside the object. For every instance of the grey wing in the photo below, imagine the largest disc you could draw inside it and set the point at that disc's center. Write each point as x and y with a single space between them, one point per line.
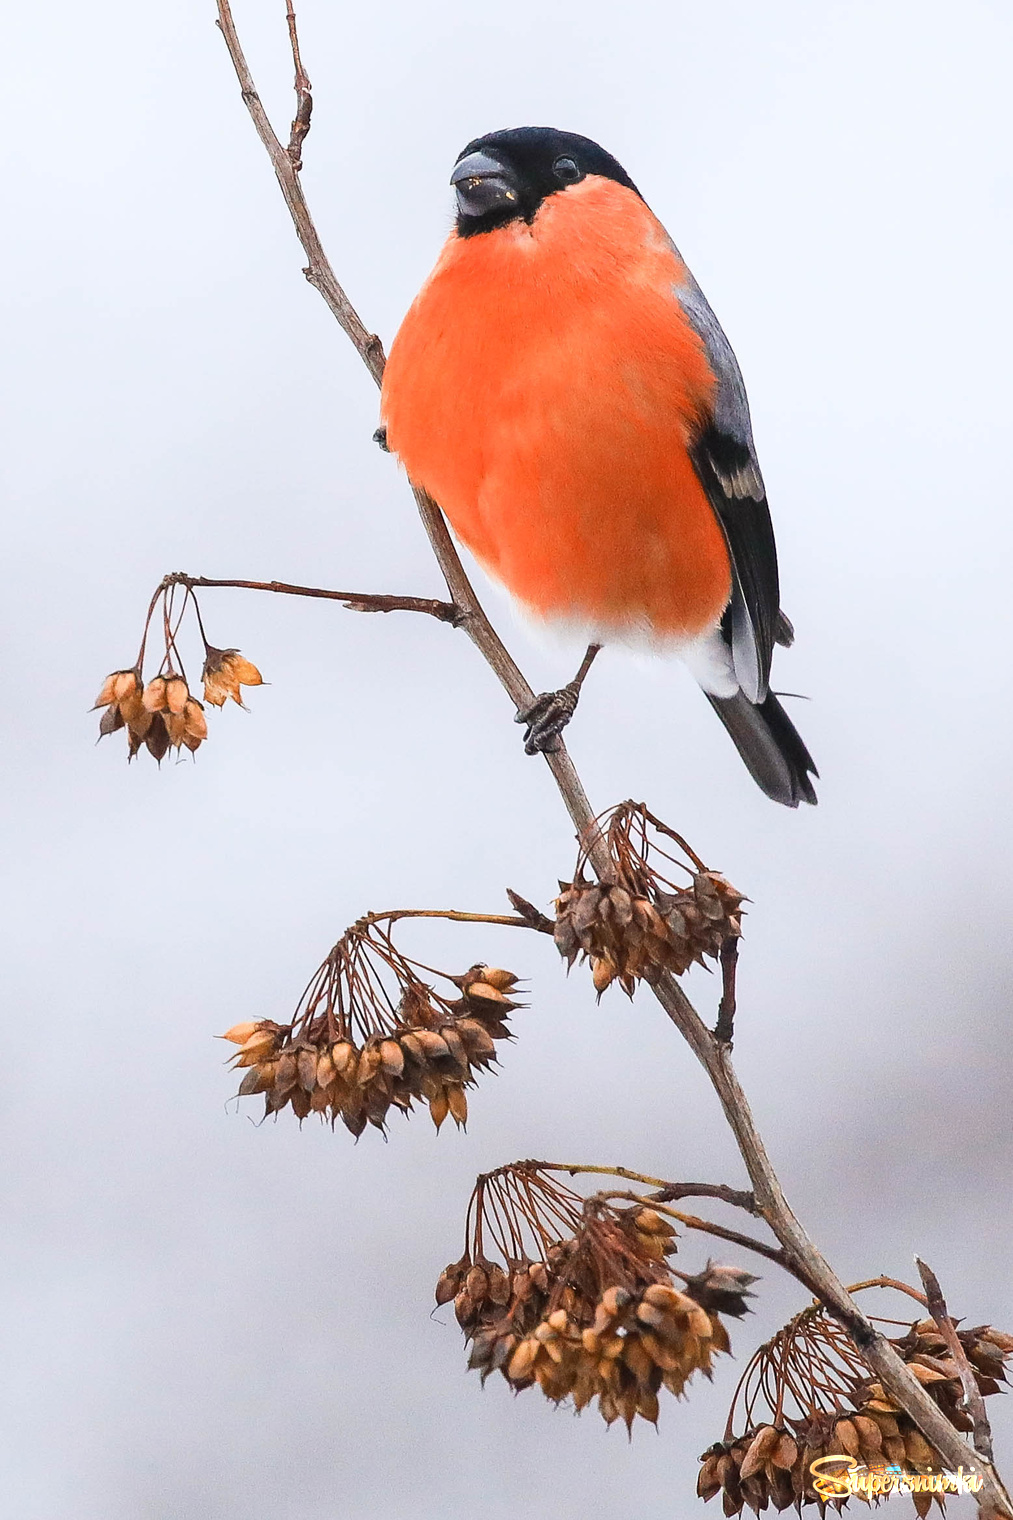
725 462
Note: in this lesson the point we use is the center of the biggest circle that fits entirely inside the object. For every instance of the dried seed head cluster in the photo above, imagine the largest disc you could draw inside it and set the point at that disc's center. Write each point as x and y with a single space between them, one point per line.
582 1302
807 1394
369 1034
162 714
926 1353
772 1464
638 922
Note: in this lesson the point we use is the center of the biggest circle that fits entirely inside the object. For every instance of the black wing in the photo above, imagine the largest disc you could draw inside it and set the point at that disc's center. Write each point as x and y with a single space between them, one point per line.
727 470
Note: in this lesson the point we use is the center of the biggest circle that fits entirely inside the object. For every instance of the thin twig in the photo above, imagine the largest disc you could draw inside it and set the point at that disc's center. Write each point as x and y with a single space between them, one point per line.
972 1403
712 1054
667 1192
392 915
354 601
303 96
890 1282
775 1254
737 1197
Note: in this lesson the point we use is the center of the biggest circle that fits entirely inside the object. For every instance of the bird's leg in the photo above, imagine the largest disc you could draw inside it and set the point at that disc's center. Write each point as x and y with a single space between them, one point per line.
549 713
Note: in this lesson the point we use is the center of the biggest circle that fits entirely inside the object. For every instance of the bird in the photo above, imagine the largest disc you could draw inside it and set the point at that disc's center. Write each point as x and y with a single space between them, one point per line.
563 390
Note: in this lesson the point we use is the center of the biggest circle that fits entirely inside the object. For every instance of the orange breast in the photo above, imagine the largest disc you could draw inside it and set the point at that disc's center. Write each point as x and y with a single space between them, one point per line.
542 388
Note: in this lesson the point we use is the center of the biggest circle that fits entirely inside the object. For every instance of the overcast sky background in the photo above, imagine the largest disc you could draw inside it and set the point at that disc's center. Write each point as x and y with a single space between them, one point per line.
206 1320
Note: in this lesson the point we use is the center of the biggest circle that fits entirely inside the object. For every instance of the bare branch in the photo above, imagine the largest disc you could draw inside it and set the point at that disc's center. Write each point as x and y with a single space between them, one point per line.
455 915
318 272
771 1253
666 1192
303 96
972 1403
890 1282
737 1197
354 601
532 915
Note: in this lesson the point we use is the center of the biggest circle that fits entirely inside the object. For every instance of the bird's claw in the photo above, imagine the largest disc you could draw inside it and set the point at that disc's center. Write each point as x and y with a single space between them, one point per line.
546 718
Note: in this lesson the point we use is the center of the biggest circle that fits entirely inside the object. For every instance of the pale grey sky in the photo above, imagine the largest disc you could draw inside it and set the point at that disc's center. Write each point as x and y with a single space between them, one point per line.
205 1320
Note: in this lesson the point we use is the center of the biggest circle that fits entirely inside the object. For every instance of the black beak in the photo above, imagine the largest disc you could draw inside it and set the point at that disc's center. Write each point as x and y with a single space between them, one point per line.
483 184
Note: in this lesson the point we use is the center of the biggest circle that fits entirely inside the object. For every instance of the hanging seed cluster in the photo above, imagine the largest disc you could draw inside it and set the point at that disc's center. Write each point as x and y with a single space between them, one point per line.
370 1035
927 1355
772 1465
637 921
811 1368
160 716
163 714
595 1315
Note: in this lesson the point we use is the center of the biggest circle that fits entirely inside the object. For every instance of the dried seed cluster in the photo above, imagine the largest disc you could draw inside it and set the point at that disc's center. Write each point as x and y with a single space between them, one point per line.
772 1465
810 1365
163 714
352 1053
627 936
637 922
596 1315
927 1355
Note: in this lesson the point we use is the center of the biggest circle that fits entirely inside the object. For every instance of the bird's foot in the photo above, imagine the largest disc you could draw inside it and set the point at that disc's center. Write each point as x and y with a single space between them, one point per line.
548 715
546 718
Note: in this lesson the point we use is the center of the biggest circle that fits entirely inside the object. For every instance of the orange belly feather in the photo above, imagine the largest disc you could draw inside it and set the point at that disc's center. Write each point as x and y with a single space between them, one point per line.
542 388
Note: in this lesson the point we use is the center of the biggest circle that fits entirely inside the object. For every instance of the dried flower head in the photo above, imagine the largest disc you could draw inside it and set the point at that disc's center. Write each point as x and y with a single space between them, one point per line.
926 1353
225 671
723 1289
637 922
163 714
807 1394
370 1033
123 698
581 1302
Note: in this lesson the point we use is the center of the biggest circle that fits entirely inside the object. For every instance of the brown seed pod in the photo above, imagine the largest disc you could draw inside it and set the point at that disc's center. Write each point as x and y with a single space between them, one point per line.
636 922
225 671
358 1050
563 1323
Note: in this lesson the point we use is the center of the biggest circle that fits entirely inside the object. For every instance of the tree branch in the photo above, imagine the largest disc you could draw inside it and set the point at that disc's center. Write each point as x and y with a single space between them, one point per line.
693 1222
712 1054
455 915
667 1192
354 601
973 1403
303 96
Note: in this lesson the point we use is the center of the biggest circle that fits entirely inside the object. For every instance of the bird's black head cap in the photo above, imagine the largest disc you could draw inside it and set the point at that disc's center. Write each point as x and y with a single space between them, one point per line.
505 176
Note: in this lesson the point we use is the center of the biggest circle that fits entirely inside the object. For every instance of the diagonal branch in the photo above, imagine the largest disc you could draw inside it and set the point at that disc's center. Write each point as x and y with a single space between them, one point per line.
712 1054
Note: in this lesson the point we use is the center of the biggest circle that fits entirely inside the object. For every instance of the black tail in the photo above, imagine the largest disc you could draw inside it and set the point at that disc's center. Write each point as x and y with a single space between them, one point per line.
766 739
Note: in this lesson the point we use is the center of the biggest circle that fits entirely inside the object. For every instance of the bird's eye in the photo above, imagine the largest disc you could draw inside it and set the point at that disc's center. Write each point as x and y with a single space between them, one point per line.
566 169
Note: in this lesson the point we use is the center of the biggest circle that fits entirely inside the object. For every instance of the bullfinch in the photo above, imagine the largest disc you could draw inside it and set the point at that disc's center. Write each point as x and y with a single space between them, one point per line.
564 391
